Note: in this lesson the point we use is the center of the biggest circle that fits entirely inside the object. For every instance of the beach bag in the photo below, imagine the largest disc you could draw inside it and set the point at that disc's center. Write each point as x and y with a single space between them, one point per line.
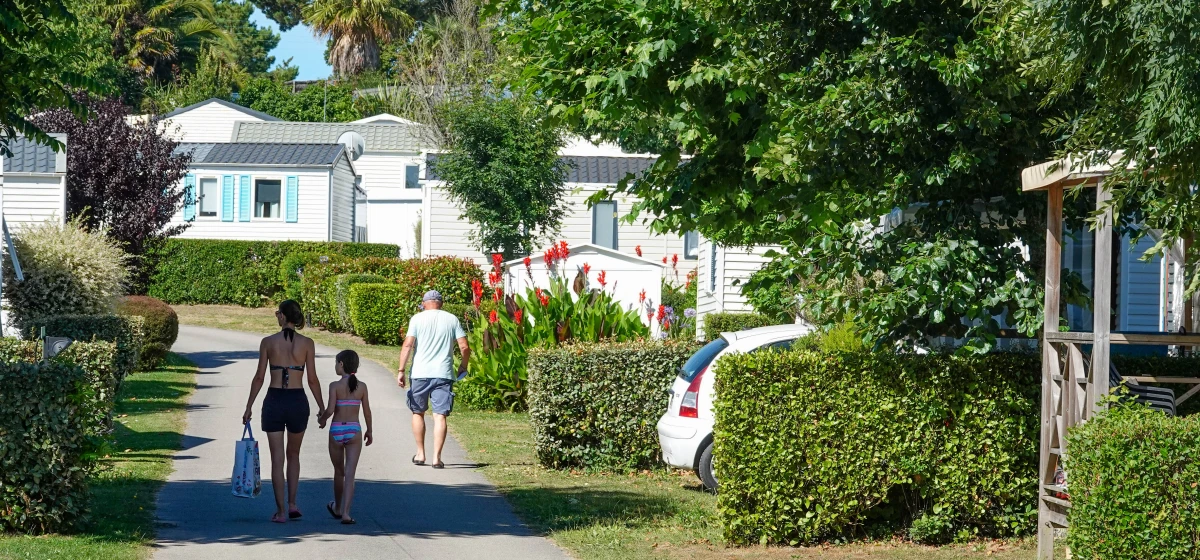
247 480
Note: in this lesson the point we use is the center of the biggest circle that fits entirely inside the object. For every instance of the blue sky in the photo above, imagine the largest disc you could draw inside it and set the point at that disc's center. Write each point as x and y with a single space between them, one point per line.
307 52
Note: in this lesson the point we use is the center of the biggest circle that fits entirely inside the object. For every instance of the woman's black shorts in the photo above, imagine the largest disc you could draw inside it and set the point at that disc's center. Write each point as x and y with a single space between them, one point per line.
285 408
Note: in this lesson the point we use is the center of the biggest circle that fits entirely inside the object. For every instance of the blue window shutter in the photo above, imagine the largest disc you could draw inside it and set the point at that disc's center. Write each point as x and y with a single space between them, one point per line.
189 197
227 198
293 199
244 198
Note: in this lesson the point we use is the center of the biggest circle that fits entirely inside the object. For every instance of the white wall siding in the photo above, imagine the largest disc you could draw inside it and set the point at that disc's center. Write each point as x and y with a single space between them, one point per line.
342 202
394 222
730 267
392 209
209 123
33 199
312 222
445 234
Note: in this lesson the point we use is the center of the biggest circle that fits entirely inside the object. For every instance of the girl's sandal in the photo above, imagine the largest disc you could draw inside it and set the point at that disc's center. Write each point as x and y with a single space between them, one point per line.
348 522
295 514
335 514
416 462
279 518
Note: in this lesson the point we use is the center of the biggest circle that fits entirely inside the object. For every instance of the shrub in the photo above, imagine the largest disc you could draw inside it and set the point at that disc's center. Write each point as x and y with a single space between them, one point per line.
98 359
160 327
596 405
811 446
44 437
1133 476
339 295
717 323
375 313
67 270
128 333
291 269
842 338
680 297
317 283
218 271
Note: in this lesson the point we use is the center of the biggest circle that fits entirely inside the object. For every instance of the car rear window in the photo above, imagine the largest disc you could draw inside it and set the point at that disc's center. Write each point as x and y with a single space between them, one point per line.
701 359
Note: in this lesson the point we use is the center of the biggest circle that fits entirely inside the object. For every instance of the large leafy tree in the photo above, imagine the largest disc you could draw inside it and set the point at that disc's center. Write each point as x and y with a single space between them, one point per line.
252 44
356 28
805 123
503 170
46 53
321 102
1139 64
160 39
122 177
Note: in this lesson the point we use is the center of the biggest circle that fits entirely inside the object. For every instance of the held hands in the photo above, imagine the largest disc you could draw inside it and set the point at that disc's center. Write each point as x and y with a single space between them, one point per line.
367 437
321 418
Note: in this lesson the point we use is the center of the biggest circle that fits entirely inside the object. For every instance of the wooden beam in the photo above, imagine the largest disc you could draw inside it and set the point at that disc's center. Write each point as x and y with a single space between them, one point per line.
1101 304
1157 379
1050 360
1161 339
1075 337
1187 395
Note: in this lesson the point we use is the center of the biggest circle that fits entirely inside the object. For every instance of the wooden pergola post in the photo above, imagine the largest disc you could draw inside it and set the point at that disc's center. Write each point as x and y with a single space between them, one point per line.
1048 462
1101 303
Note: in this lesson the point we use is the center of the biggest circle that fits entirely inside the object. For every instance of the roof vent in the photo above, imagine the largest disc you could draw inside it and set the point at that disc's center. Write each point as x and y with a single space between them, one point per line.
354 142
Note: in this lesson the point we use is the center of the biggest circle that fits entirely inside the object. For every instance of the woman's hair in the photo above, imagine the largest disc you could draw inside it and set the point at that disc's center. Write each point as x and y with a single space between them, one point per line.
349 361
291 312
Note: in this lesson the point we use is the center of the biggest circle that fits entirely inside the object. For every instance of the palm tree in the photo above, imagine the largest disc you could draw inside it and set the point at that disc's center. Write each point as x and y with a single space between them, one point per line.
161 38
357 28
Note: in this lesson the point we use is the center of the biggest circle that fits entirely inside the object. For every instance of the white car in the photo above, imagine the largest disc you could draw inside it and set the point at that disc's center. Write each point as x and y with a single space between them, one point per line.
685 431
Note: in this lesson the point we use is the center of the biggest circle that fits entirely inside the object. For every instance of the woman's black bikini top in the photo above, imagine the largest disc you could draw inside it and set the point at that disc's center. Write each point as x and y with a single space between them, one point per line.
288 334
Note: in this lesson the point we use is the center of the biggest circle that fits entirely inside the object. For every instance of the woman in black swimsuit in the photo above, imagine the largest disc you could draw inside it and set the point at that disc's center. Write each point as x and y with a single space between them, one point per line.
289 357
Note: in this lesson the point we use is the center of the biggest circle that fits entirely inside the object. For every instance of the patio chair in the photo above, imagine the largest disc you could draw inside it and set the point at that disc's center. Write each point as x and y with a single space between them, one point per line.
1159 398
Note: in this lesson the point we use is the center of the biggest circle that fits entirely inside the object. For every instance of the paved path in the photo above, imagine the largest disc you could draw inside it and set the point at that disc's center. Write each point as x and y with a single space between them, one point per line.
403 511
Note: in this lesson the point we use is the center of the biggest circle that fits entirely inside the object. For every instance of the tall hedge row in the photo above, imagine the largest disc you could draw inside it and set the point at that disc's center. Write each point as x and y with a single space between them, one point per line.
128 333
596 405
812 446
1134 483
44 447
216 271
717 323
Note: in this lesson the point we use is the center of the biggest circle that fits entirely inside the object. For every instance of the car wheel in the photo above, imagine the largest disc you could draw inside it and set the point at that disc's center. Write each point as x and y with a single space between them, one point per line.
705 470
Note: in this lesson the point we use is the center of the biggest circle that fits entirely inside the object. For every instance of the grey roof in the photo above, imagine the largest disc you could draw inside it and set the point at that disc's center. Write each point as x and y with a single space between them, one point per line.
228 104
30 157
261 153
606 170
380 137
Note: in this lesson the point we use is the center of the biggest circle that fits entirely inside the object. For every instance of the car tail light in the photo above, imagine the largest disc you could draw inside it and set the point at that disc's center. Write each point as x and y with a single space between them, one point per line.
689 405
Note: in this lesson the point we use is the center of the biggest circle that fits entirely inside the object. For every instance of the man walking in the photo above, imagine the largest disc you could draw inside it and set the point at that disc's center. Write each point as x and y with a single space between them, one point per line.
431 337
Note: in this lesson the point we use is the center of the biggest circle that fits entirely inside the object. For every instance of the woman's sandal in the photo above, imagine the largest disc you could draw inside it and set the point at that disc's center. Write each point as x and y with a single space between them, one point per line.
439 465
348 522
335 514
278 518
294 514
416 462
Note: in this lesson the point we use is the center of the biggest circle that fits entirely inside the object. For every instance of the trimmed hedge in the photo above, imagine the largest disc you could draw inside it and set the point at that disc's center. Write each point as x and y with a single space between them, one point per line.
375 313
45 452
127 332
98 359
217 271
339 296
596 405
451 276
160 327
291 270
317 283
1134 483
814 446
717 323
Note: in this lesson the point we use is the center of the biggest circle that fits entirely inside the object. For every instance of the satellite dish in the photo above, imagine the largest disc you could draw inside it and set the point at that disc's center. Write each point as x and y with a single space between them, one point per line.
354 142
53 345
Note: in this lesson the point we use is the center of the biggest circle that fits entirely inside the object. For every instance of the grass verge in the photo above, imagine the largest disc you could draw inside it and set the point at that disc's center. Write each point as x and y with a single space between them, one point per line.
150 417
652 514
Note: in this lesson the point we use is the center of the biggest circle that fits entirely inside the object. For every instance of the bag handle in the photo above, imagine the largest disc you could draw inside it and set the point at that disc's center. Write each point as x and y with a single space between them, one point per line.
247 431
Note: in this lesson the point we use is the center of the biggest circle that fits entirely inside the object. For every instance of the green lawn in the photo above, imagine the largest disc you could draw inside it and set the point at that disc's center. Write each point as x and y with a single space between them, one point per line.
150 419
654 514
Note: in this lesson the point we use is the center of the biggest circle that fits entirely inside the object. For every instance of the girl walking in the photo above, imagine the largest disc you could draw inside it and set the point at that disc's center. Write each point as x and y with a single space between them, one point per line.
346 396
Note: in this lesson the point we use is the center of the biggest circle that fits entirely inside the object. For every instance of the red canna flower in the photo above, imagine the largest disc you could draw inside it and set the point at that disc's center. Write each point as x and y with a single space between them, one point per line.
638 250
544 299
662 312
562 249
664 259
492 317
497 258
518 315
650 316
587 269
642 296
666 325
527 262
498 294
675 259
601 279
477 290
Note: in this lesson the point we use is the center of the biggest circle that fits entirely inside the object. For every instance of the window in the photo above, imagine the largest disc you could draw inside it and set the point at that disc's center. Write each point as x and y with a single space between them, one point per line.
412 176
266 198
604 224
691 245
210 197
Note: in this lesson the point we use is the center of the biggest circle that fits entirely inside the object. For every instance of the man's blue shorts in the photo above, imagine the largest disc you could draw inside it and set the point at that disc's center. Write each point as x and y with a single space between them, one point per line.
427 390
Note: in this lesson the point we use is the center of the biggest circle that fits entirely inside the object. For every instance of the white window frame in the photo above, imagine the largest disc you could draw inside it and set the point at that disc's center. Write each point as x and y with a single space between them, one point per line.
199 181
254 179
